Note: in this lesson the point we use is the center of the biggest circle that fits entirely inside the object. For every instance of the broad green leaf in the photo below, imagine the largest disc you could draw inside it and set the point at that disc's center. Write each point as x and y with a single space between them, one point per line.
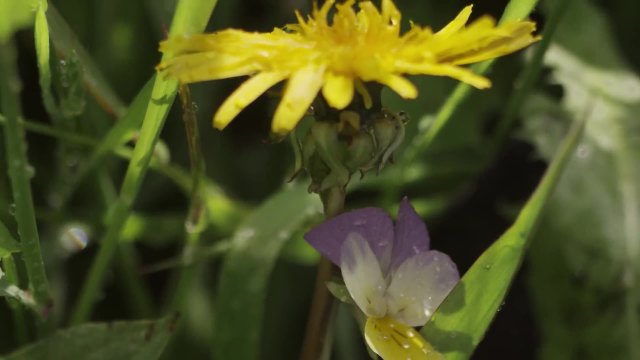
585 261
135 340
15 15
8 244
461 321
247 267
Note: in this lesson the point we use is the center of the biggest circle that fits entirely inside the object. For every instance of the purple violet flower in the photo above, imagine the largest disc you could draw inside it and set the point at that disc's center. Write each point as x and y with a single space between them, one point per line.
389 271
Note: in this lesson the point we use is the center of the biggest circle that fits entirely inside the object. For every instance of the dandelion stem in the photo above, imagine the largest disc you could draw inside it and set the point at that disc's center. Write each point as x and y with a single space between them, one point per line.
18 169
316 340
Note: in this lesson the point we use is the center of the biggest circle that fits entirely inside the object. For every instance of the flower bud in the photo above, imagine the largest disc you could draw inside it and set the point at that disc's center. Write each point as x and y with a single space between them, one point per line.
340 143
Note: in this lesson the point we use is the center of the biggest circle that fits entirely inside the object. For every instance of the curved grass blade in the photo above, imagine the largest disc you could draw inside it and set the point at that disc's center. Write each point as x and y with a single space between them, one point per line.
461 321
247 268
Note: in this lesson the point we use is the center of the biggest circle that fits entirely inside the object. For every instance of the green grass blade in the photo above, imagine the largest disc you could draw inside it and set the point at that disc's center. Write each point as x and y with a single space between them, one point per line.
41 34
247 267
461 321
191 17
19 175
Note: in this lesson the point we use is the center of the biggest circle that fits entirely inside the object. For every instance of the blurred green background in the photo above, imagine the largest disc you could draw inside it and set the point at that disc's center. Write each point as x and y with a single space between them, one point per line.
576 296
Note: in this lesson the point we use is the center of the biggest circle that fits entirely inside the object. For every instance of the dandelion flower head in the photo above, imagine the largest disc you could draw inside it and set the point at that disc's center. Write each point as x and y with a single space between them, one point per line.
337 56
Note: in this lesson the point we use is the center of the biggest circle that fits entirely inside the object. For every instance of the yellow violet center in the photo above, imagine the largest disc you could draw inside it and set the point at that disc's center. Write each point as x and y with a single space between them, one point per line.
361 43
393 340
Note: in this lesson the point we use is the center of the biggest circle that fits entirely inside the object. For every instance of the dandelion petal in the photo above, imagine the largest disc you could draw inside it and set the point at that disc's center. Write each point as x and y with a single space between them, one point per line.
373 224
453 71
411 236
419 285
338 90
362 275
301 89
243 96
400 85
456 24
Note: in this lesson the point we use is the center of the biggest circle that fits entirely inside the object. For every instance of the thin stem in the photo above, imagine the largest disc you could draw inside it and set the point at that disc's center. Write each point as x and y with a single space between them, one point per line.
316 342
17 309
19 175
195 223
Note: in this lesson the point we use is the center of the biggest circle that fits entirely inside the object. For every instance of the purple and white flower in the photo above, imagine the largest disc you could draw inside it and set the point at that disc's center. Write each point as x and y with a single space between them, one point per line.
388 270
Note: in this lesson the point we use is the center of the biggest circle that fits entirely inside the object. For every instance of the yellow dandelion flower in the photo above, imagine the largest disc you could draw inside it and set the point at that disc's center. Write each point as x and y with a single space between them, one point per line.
360 44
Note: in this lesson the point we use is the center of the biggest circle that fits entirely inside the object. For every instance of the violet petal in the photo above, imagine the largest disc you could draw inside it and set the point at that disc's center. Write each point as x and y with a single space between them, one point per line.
363 277
373 224
419 285
411 236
